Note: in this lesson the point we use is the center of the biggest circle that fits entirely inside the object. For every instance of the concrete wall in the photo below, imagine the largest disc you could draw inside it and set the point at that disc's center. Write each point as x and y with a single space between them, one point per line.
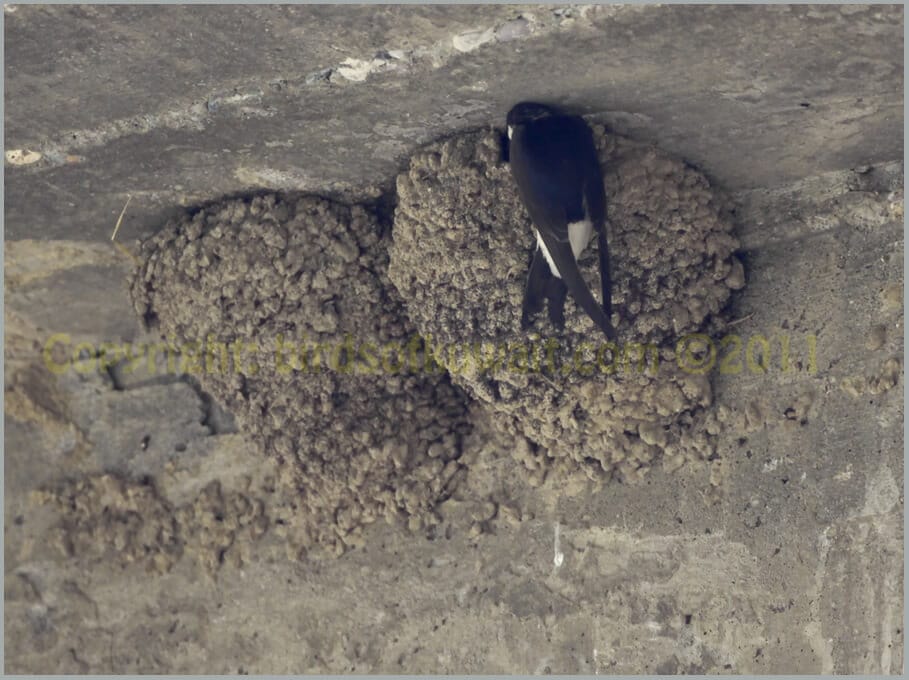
174 105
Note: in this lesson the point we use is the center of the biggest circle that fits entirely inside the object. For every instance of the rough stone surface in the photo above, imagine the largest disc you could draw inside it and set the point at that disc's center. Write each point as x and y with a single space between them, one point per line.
784 555
460 257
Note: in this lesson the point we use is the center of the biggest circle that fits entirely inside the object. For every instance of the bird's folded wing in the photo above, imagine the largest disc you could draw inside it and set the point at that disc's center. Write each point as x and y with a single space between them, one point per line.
605 274
535 288
563 257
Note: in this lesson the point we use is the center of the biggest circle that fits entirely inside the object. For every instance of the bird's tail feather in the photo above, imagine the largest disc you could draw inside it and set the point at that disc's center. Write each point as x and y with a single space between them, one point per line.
571 275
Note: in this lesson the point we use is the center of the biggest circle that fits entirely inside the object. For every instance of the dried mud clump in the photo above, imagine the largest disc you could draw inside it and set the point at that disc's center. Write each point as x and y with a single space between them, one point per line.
461 248
297 330
105 516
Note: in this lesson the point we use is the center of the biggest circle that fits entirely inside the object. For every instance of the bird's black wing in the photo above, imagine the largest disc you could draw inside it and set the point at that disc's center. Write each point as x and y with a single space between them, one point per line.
535 291
548 163
595 200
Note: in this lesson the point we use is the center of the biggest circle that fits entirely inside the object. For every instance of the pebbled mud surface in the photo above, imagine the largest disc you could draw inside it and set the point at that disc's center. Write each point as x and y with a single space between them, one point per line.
462 244
139 526
286 304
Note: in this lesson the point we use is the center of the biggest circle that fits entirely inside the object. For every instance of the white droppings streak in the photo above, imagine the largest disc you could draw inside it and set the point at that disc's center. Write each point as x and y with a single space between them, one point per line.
772 464
814 630
471 40
22 156
558 556
358 70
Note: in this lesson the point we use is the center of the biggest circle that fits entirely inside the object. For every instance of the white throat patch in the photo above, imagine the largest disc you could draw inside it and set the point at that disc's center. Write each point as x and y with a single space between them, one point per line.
510 131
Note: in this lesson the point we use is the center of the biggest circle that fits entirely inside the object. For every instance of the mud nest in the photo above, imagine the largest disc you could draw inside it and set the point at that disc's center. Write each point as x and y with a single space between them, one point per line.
296 329
461 249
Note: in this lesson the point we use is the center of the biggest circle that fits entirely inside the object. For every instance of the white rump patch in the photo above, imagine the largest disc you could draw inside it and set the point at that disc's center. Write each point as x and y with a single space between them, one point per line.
579 234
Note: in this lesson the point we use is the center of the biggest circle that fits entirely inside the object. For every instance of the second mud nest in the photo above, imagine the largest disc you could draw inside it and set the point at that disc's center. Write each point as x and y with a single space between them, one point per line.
287 304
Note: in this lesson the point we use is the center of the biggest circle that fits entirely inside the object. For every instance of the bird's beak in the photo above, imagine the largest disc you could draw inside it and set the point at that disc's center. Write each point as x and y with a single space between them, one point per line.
510 130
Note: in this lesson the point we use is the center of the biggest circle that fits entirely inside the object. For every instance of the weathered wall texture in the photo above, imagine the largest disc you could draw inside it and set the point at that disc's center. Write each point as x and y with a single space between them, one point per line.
175 105
781 554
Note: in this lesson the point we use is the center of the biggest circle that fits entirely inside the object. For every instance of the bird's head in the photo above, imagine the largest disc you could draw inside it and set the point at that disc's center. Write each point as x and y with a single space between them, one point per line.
526 112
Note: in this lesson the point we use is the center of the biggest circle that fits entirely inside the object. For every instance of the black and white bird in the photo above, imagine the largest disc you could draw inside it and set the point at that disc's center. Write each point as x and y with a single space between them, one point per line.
554 163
